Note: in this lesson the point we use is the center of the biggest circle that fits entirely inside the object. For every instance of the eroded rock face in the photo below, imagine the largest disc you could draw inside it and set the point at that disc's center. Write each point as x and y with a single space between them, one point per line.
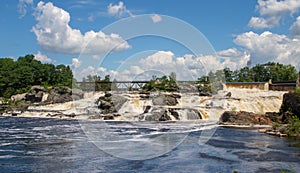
244 118
166 99
35 94
60 95
291 103
110 104
167 114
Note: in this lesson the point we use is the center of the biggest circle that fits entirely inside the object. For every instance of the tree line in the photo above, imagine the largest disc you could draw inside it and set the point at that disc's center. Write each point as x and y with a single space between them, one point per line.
18 76
257 73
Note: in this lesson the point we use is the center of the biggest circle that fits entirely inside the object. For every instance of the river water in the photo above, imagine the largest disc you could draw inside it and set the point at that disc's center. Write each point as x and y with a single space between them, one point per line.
60 145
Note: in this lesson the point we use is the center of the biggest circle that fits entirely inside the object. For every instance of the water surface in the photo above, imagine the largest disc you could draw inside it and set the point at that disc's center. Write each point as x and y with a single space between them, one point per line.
55 145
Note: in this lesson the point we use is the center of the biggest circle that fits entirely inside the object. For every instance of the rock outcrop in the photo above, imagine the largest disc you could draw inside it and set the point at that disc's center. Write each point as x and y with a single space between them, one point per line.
166 99
244 118
39 95
36 94
290 105
110 104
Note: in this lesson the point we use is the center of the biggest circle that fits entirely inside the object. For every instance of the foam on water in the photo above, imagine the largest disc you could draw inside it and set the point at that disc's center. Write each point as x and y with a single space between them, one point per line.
210 108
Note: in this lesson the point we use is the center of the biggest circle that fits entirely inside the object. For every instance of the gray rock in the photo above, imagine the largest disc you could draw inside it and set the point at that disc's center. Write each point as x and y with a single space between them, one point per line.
147 109
38 88
77 94
152 116
35 94
193 114
18 97
118 102
174 113
162 100
110 103
60 94
158 114
159 100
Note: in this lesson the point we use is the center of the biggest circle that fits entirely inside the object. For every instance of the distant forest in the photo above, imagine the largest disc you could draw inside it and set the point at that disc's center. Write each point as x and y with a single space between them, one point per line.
18 76
258 73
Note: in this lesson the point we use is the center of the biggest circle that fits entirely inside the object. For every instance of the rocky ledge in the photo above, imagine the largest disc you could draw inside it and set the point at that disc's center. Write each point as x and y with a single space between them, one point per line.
39 95
144 106
283 123
244 118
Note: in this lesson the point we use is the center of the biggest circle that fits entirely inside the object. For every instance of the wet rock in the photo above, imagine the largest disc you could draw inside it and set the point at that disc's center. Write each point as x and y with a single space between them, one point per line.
244 118
147 109
72 115
187 87
60 94
35 94
163 100
203 93
77 94
110 104
159 100
144 95
157 114
228 95
18 97
193 114
108 117
174 113
291 103
165 117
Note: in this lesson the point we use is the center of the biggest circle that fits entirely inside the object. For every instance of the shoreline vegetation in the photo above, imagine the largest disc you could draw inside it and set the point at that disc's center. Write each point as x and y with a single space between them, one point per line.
27 82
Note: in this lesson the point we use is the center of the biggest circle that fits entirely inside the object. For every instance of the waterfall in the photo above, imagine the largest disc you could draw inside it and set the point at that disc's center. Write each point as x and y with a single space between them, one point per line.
190 106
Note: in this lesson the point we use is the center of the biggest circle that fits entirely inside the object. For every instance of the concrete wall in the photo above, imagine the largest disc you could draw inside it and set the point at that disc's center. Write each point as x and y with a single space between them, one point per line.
250 85
282 86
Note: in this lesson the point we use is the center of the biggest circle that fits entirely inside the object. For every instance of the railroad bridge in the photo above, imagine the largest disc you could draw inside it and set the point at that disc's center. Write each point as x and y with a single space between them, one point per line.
120 85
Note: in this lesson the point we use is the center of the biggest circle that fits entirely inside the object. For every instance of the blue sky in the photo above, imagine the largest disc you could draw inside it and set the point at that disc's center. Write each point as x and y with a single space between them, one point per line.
239 31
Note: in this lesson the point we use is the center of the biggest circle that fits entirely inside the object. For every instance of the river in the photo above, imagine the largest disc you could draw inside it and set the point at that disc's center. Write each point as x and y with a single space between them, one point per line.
61 145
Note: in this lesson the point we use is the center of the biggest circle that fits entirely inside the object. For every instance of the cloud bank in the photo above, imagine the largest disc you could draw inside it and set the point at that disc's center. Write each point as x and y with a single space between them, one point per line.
54 34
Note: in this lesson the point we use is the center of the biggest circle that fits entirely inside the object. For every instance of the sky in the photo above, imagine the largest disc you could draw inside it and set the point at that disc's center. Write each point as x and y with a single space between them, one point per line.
132 40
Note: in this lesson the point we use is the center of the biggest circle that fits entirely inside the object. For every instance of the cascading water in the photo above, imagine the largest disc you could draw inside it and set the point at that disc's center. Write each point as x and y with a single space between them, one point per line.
189 106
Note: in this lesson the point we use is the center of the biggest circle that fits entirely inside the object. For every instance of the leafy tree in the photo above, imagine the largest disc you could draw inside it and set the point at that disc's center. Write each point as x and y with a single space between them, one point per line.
164 83
261 73
18 76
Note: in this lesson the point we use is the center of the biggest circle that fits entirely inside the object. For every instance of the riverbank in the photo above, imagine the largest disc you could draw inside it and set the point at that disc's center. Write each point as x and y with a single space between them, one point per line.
283 123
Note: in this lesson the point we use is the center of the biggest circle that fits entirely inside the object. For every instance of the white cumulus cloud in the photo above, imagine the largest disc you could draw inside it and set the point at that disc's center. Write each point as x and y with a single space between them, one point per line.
272 11
261 23
118 10
268 46
295 28
54 34
76 62
187 67
43 58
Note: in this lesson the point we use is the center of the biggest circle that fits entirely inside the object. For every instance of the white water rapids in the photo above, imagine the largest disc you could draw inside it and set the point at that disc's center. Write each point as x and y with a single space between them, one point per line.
210 108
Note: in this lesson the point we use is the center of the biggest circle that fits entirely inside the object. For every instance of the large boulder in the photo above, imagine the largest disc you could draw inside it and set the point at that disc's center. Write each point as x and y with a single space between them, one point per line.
110 104
166 99
157 114
36 94
187 87
244 118
60 94
77 94
291 104
18 97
